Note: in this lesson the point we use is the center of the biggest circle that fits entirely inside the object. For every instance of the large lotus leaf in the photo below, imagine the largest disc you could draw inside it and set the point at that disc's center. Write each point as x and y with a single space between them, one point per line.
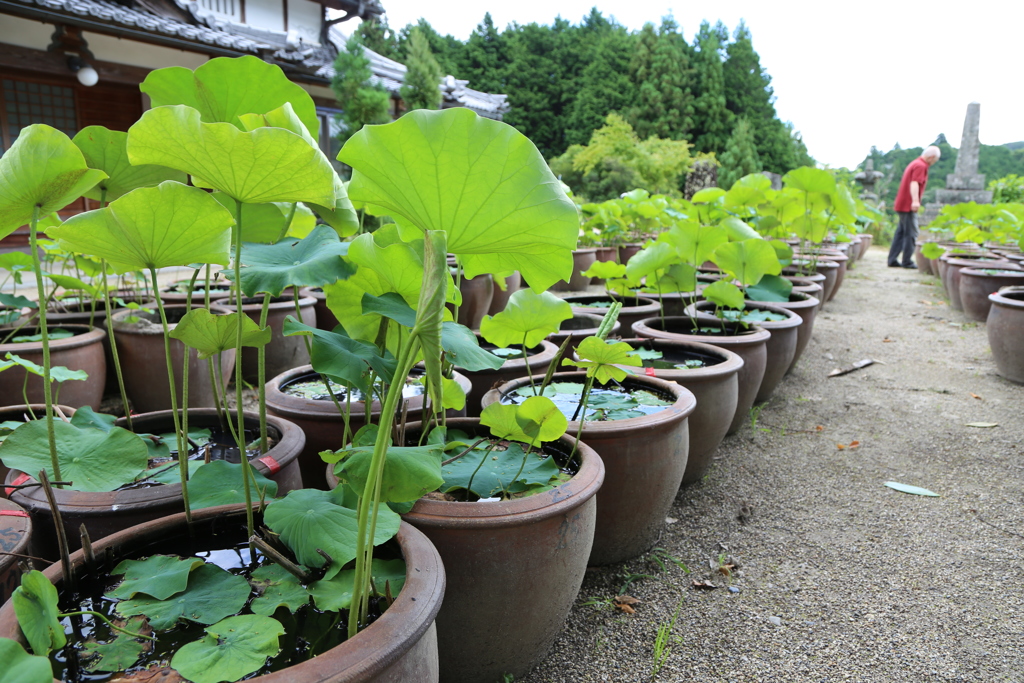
462 349
695 243
20 666
602 359
810 227
152 227
498 470
708 195
266 165
481 181
92 459
341 213
222 89
390 305
282 117
313 261
35 606
388 577
118 653
410 472
211 595
681 277
43 169
770 288
222 483
748 260
606 270
528 316
535 420
342 358
263 223
844 204
211 334
231 649
430 313
724 294
303 220
932 250
106 150
307 519
738 230
748 192
58 373
652 258
810 179
159 576
276 587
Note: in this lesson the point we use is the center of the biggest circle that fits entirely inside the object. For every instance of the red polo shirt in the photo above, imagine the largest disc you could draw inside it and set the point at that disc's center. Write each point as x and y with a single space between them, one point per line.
917 170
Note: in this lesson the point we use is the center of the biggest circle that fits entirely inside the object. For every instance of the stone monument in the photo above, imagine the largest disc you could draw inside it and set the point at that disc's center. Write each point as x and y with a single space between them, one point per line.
964 184
867 179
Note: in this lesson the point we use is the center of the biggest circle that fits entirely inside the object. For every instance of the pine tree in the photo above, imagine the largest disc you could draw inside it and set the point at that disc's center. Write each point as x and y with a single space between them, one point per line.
604 85
484 59
447 49
661 71
421 85
362 101
740 156
379 37
712 119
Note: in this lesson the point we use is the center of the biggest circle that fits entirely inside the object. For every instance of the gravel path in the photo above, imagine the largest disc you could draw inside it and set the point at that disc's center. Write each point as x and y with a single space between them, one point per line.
838 577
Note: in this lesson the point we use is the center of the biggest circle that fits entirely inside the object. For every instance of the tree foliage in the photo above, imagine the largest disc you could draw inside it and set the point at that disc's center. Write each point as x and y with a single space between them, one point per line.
420 88
661 67
740 157
712 118
363 101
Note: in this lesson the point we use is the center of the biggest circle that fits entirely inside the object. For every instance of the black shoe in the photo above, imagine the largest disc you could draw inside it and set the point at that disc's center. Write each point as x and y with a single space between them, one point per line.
911 266
895 265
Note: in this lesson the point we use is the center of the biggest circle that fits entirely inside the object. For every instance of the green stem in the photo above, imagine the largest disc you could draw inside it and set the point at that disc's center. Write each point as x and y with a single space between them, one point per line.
187 361
113 347
583 417
240 436
261 380
526 359
182 443
109 623
41 293
487 452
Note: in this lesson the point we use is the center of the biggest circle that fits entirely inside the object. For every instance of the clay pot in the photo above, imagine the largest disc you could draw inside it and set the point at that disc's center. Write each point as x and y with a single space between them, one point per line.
924 264
645 457
976 284
749 344
495 553
1006 332
399 646
674 303
838 258
325 319
806 306
628 251
607 254
23 413
282 353
321 422
105 513
781 346
579 327
140 348
539 357
477 293
15 539
828 269
715 387
633 308
953 265
582 259
866 240
499 299
177 292
83 351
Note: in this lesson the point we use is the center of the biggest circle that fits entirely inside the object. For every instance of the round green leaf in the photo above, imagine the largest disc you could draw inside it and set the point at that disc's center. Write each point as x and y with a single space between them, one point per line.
118 653
540 419
231 649
211 334
810 179
462 349
152 227
159 576
497 473
652 258
106 150
277 587
336 594
58 373
748 261
35 606
42 168
211 595
313 261
481 181
527 315
221 483
602 359
224 88
409 472
266 165
724 293
695 243
21 667
92 459
770 288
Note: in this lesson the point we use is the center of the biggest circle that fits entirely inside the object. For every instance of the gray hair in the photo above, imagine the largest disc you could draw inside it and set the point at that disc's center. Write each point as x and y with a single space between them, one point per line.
932 151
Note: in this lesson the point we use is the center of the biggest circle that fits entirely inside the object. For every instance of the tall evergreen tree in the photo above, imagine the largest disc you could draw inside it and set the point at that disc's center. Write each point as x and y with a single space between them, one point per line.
362 101
447 49
379 37
421 85
661 72
712 119
484 60
740 156
604 85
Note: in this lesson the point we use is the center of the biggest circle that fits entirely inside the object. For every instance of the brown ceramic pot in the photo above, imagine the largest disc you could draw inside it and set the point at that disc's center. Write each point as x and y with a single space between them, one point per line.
806 306
282 353
140 348
781 346
23 413
749 344
633 308
105 513
582 259
321 422
15 540
951 273
579 327
399 647
828 269
325 319
674 303
977 283
606 254
177 292
924 264
500 298
83 351
645 457
628 251
715 387
837 257
866 240
495 553
477 293
1005 326
539 358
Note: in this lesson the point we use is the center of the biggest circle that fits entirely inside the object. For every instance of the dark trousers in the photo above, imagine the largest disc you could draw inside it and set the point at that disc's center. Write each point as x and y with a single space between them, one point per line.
903 240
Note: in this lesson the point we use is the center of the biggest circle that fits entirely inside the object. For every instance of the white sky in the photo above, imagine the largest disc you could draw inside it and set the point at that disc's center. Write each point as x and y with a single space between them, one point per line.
848 75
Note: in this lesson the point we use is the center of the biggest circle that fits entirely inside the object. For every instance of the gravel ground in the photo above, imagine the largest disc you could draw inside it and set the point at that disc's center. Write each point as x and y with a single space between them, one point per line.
836 576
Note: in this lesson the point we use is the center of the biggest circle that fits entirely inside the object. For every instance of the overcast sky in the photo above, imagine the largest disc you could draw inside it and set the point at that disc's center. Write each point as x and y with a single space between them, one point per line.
848 75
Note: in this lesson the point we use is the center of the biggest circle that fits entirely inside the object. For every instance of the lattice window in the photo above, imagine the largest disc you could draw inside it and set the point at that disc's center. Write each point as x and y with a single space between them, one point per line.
229 9
28 102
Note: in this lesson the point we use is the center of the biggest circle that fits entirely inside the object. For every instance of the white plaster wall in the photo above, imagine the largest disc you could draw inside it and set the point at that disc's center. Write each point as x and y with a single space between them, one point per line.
304 18
268 14
318 91
25 32
124 51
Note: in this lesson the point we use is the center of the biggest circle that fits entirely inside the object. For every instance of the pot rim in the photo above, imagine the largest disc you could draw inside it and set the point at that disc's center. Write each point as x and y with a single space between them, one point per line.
649 304
792 319
1001 299
304 301
808 300
1016 271
757 335
732 362
545 355
92 335
406 620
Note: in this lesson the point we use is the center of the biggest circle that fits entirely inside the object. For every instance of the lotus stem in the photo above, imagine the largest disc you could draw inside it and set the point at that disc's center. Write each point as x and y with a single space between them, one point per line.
239 407
187 360
44 335
526 359
261 380
113 347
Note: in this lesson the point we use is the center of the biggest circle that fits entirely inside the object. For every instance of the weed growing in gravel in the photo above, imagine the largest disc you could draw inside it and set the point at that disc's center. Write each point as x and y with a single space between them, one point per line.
664 641
659 556
755 415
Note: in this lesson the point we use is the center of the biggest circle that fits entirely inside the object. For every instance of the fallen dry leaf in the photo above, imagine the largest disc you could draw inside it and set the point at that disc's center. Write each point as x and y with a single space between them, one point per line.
154 674
854 444
851 445
726 569
838 372
840 446
624 603
704 585
887 340
820 428
974 395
